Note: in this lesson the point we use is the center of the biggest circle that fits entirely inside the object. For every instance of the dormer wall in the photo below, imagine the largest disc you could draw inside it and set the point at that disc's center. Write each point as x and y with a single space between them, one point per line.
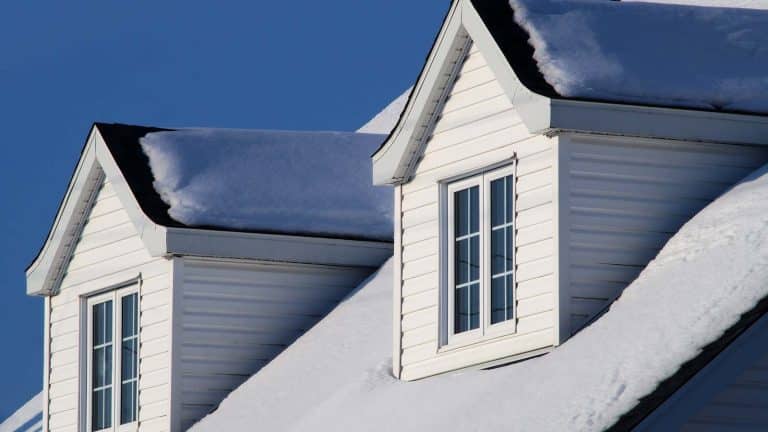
625 197
477 129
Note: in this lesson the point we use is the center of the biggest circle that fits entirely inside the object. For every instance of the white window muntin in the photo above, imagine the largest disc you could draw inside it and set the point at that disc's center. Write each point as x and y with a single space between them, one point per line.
114 301
486 329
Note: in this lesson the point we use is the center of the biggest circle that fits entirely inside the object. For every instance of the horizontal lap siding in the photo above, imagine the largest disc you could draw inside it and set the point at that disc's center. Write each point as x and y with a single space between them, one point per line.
235 317
628 198
109 252
478 127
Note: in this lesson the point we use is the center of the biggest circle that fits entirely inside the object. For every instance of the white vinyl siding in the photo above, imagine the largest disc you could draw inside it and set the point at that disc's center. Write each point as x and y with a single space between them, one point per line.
109 252
478 128
236 316
628 197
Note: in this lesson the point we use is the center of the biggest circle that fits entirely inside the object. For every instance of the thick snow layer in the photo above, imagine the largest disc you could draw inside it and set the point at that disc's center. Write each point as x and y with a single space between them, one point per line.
658 54
25 416
288 182
337 376
386 120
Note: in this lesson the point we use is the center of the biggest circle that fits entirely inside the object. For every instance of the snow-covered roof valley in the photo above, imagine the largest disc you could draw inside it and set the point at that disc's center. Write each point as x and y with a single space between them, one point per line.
337 376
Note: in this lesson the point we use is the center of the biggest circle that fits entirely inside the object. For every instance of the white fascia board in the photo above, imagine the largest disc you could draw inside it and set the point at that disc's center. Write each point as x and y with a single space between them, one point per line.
276 248
533 108
392 160
658 122
393 163
152 234
45 272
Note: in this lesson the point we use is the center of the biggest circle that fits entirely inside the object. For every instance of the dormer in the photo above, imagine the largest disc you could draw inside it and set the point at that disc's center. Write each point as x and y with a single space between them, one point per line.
531 189
182 261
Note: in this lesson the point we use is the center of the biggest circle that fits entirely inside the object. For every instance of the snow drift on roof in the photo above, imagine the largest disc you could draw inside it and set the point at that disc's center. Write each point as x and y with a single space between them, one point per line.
386 120
657 54
288 182
337 376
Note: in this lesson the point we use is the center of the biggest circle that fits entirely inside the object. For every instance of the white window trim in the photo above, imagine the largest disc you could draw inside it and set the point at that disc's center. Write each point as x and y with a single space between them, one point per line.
116 296
486 331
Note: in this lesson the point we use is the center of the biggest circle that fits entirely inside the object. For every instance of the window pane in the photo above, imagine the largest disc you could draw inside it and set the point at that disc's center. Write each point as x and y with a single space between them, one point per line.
130 315
461 310
502 250
129 358
498 251
474 258
461 213
498 301
102 323
101 416
467 308
462 262
497 202
128 401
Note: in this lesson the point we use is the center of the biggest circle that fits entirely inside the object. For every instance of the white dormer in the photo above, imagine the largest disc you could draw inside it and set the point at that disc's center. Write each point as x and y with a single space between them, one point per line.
520 213
171 274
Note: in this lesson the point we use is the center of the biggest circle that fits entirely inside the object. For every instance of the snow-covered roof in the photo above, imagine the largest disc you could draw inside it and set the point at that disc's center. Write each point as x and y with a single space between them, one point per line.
385 121
271 181
298 183
689 299
710 58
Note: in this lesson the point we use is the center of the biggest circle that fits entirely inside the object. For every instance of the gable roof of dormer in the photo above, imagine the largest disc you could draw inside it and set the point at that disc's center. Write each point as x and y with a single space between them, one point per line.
523 65
115 152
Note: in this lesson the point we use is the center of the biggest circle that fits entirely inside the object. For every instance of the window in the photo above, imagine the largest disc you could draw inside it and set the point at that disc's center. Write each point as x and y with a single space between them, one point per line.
480 251
112 360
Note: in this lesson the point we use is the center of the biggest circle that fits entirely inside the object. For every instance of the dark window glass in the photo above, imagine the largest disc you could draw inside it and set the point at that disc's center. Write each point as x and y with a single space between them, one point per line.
502 233
466 259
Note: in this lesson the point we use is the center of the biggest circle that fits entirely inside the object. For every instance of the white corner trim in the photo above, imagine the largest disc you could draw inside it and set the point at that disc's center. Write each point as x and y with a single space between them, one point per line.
397 282
562 206
175 393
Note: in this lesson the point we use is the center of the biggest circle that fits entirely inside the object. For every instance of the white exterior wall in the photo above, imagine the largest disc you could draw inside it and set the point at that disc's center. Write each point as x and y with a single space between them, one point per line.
233 317
109 252
478 127
627 197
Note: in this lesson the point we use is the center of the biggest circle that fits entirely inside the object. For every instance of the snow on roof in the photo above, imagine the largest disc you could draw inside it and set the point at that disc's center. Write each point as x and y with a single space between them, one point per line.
386 120
287 182
337 376
656 54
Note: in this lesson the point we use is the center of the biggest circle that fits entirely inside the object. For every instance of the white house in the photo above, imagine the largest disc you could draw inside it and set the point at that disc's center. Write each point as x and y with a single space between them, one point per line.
541 163
567 193
180 262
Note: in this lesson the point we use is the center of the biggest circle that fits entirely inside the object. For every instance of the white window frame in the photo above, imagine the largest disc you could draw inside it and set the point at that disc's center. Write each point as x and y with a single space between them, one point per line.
486 330
116 296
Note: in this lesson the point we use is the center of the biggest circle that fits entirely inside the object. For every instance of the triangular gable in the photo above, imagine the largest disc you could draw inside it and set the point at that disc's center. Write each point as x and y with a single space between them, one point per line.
96 164
395 160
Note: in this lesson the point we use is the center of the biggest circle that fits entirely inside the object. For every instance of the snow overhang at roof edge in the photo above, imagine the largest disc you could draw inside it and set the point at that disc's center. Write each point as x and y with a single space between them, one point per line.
491 25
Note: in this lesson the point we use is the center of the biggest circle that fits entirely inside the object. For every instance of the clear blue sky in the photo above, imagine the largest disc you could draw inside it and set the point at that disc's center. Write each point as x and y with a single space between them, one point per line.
302 64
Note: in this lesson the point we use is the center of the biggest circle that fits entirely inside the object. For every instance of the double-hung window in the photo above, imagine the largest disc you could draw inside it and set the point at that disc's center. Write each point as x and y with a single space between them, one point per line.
480 256
112 361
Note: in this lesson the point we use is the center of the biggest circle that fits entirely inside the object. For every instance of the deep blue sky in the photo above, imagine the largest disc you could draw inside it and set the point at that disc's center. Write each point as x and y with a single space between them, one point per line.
302 64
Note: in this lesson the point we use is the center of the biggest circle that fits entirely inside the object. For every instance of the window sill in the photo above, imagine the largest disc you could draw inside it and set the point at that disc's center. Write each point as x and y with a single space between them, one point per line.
503 331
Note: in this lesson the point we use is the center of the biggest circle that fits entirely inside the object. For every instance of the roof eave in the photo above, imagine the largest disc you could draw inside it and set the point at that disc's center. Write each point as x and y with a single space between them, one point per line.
658 122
